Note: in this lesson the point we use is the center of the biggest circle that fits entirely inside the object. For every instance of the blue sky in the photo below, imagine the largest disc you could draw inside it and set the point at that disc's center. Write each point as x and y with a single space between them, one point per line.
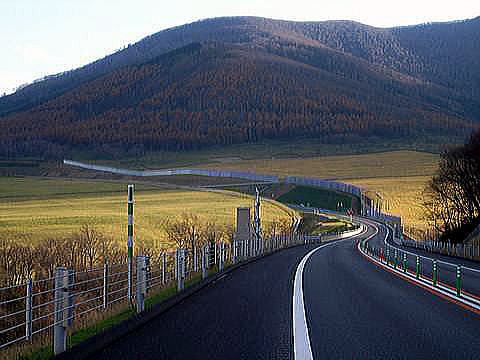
42 37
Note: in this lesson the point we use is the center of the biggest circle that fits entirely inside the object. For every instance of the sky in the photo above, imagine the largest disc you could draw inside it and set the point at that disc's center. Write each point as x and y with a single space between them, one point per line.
44 37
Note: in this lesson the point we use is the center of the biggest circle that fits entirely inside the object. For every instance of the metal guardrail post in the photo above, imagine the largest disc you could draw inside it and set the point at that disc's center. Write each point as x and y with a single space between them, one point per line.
458 281
28 310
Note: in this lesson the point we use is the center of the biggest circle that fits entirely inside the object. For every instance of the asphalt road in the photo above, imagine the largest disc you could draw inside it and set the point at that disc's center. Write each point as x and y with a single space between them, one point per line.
446 265
353 310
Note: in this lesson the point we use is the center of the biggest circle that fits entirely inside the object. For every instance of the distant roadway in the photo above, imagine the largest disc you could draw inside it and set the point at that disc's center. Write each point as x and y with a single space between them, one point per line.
313 301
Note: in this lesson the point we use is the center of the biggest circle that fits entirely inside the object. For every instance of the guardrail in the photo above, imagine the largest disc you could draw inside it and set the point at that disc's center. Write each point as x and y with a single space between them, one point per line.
73 299
325 184
465 251
170 172
340 235
452 280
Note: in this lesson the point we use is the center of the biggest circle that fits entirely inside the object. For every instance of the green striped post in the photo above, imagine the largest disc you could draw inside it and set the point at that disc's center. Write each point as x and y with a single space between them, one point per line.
435 273
405 262
459 281
396 259
130 241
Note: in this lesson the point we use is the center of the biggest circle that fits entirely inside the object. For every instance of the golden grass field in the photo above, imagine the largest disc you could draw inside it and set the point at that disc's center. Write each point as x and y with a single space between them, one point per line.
399 176
35 208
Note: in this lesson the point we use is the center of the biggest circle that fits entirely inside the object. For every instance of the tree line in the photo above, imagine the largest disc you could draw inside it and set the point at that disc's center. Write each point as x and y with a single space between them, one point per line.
216 94
453 194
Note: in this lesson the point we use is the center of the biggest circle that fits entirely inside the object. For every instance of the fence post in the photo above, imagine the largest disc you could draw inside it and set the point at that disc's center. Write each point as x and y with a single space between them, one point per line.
28 310
459 281
142 281
435 272
105 285
204 261
417 267
180 261
233 249
195 262
61 303
221 257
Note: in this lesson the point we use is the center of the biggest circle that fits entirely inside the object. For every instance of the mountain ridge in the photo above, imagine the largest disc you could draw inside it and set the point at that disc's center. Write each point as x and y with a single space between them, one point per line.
366 77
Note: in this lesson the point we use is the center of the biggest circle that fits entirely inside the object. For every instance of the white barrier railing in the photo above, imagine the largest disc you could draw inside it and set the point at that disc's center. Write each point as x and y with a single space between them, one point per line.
47 307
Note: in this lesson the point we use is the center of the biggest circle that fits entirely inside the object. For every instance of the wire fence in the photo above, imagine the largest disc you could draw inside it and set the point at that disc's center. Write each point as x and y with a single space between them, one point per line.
465 251
39 308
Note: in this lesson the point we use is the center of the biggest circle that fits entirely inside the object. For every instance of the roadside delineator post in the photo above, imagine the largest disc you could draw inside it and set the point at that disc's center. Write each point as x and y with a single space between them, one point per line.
396 260
405 262
435 272
130 243
459 280
417 267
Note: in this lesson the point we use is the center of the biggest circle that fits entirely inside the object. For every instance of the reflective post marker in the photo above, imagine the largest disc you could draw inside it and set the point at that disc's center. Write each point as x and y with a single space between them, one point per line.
459 281
435 273
405 262
130 241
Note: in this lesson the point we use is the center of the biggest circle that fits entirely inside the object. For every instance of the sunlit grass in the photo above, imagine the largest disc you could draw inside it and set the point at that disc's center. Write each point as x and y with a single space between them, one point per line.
399 176
38 208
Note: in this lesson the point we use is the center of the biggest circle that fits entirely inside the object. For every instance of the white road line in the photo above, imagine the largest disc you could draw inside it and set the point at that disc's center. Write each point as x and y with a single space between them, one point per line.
301 339
448 292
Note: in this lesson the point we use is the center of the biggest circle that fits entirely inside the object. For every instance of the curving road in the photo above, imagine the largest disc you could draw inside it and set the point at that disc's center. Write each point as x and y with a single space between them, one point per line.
344 307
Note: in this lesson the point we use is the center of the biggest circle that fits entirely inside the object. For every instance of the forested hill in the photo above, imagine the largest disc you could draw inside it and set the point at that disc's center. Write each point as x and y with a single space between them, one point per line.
231 80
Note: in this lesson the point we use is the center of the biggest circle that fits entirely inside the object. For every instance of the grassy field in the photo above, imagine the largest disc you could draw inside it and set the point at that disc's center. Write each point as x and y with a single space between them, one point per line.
35 208
344 167
316 197
404 196
278 149
399 176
